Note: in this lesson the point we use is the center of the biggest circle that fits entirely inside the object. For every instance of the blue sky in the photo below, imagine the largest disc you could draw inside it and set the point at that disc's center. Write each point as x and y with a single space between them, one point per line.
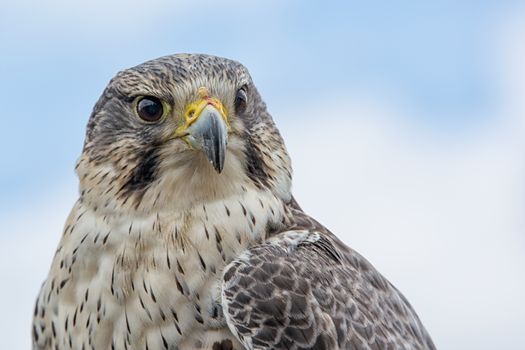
413 112
57 57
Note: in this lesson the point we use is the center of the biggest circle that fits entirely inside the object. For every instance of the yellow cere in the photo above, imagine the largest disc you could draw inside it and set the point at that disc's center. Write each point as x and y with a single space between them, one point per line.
193 110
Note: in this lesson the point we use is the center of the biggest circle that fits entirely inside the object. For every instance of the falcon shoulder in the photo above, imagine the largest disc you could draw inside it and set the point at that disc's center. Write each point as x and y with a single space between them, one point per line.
304 289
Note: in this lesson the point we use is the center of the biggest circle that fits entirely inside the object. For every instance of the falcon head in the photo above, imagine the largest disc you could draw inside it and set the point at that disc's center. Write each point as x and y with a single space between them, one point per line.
178 130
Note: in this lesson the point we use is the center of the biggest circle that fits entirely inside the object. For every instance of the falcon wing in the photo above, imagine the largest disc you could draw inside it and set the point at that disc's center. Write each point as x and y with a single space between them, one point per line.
298 291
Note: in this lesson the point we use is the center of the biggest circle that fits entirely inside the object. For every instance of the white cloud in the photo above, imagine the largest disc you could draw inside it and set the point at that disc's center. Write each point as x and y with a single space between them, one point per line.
28 241
442 219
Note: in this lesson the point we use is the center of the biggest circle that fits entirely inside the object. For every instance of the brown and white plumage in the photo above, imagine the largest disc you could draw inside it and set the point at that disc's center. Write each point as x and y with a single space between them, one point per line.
186 234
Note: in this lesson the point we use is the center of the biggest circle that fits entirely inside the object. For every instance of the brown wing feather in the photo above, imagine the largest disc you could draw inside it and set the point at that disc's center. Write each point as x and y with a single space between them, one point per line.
298 291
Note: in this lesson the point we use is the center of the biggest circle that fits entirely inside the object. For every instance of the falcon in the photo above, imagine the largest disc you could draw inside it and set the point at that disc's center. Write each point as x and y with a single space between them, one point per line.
186 234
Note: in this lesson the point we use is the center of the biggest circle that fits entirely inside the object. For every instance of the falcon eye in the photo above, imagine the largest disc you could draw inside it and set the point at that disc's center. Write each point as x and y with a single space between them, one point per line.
149 109
241 98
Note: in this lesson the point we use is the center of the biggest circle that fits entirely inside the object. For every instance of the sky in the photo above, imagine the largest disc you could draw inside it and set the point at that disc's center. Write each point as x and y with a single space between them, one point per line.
405 122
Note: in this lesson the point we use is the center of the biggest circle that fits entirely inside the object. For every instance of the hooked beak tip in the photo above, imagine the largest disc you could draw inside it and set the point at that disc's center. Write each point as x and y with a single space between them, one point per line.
209 133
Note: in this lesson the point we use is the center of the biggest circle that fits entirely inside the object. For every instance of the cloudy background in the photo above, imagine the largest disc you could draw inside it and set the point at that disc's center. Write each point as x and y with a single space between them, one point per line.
405 121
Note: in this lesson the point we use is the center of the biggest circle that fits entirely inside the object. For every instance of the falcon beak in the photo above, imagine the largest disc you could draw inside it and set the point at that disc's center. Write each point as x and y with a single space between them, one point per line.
206 128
